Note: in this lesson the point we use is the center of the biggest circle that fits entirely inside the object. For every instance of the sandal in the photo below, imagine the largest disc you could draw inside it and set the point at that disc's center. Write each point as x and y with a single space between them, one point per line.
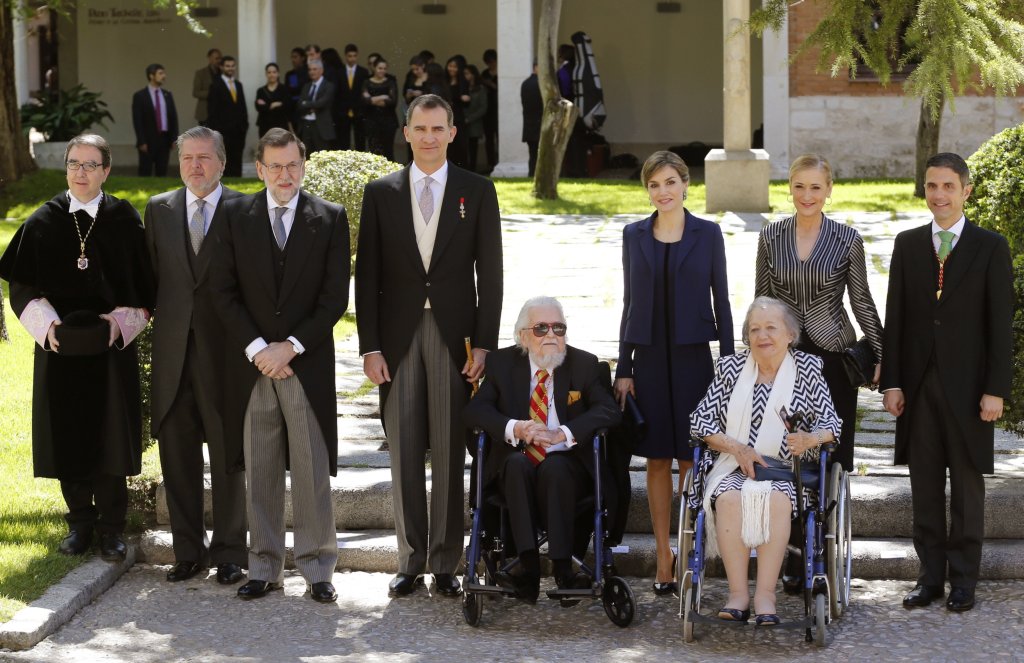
770 619
734 615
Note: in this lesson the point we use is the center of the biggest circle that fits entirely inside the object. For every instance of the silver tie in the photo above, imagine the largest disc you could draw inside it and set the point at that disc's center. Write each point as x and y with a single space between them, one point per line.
427 200
197 226
279 233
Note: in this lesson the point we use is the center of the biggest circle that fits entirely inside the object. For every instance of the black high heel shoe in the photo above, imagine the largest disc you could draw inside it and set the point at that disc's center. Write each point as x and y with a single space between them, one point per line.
666 588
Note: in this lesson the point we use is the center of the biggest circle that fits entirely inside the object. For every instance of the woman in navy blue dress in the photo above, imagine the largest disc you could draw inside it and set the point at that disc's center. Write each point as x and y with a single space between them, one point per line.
676 301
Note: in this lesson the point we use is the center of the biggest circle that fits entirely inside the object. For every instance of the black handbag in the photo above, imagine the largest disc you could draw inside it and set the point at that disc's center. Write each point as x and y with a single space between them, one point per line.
782 470
859 361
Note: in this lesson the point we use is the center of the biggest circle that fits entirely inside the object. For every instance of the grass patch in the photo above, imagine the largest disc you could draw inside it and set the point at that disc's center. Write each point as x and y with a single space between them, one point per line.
363 389
591 197
345 328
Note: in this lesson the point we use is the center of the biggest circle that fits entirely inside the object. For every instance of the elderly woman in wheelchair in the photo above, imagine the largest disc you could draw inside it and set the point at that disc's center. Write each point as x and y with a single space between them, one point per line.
765 406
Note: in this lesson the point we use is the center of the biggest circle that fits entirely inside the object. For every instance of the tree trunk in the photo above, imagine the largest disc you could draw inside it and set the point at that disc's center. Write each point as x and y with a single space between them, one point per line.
928 125
559 114
15 159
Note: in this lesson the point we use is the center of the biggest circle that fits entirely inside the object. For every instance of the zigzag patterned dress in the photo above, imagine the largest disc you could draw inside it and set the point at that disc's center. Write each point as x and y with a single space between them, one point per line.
810 396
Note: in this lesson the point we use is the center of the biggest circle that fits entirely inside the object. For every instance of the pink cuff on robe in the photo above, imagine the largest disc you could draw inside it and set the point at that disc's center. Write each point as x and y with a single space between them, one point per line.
131 321
37 318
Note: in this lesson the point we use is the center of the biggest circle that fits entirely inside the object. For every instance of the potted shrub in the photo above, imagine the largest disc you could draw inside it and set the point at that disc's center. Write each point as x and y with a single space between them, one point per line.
60 118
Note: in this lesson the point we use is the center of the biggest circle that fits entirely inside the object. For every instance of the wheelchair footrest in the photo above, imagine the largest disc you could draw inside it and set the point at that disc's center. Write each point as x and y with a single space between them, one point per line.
474 588
574 593
806 622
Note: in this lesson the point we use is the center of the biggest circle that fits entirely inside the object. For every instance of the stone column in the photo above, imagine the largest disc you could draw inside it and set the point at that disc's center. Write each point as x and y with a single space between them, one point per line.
515 63
257 45
737 176
20 54
775 47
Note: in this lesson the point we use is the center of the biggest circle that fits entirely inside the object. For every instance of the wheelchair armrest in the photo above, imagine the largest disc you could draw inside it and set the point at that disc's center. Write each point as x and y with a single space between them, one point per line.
697 442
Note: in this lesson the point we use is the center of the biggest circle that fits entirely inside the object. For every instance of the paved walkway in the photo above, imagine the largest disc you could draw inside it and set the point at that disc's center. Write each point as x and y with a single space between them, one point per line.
143 619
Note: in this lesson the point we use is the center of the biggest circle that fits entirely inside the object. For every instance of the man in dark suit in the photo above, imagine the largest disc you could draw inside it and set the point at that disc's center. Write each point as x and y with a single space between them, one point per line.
428 280
314 109
553 398
280 285
188 345
202 81
348 104
156 123
229 115
533 113
946 368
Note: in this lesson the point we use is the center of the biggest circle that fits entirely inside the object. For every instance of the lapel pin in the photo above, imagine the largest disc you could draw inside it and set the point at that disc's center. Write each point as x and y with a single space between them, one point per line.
462 208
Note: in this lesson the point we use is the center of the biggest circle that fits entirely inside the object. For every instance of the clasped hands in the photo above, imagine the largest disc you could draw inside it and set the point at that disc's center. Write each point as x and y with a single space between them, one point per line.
273 360
51 333
538 434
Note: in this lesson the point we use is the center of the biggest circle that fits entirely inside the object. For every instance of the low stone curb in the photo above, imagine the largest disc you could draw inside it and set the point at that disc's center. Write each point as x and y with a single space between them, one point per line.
61 601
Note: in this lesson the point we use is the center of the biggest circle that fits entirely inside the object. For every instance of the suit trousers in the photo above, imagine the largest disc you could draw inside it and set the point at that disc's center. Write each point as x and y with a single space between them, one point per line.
310 135
234 145
425 404
546 495
155 158
181 457
100 503
935 444
351 133
281 427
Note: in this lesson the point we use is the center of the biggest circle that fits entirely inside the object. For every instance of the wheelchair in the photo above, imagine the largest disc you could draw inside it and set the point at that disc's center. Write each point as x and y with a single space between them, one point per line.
487 553
826 553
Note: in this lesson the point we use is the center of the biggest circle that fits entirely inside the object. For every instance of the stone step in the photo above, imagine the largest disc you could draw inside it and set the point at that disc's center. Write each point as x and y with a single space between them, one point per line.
873 558
881 503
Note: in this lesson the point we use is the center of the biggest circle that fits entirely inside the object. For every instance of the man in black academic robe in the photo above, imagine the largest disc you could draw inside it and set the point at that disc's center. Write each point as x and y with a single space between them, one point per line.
83 253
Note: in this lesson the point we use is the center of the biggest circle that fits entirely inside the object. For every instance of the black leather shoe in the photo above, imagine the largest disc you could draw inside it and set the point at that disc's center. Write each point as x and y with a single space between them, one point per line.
525 585
112 547
664 588
960 599
323 592
922 595
404 584
183 571
793 585
447 584
228 573
77 542
256 589
578 580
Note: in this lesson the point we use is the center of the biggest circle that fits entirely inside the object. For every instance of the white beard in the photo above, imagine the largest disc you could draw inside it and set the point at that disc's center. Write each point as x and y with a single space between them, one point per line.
548 362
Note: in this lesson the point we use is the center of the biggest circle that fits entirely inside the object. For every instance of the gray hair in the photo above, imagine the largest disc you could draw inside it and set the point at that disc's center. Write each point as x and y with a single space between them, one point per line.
788 318
205 133
524 316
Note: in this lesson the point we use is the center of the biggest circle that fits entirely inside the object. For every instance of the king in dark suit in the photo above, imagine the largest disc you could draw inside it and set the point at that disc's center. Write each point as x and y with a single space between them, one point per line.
188 344
228 114
428 281
280 284
155 120
553 398
947 369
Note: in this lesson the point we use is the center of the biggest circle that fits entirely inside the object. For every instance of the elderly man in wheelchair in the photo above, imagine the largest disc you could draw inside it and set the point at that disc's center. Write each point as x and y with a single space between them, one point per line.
541 404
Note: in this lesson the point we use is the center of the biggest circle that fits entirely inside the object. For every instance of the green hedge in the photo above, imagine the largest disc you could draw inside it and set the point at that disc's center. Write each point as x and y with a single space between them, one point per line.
997 203
339 176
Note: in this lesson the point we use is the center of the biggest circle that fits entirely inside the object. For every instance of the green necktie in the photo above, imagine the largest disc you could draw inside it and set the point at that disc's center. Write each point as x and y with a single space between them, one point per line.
945 244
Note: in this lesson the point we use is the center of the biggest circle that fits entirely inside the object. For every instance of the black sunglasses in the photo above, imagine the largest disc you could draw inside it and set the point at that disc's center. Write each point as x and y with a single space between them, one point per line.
540 330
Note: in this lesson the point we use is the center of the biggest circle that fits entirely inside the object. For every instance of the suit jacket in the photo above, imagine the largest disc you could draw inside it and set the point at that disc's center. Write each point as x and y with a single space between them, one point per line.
201 83
182 300
533 109
144 117
505 394
701 312
464 281
350 98
321 106
968 330
225 115
312 297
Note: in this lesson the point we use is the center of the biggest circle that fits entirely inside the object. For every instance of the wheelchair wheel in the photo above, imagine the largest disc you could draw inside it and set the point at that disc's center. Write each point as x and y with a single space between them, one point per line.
684 540
691 602
472 606
819 620
619 602
838 544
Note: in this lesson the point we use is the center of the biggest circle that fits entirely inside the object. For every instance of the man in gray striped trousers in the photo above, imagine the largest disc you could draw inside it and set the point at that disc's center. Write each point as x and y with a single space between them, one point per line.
280 285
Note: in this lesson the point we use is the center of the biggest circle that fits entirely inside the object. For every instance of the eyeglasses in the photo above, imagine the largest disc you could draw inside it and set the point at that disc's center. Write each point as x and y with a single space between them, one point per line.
89 166
276 168
541 329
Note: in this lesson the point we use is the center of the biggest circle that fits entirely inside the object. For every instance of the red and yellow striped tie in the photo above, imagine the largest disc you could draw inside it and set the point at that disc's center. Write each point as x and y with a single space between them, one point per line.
538 413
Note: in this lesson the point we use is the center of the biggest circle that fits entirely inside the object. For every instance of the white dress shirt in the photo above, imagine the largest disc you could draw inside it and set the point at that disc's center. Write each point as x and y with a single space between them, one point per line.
439 177
570 441
211 201
288 219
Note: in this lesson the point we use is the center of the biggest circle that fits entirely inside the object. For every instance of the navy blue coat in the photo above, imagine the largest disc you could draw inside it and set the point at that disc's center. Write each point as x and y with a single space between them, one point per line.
701 312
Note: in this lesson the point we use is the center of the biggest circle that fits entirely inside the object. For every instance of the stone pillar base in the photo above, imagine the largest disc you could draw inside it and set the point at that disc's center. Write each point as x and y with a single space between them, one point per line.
511 169
737 180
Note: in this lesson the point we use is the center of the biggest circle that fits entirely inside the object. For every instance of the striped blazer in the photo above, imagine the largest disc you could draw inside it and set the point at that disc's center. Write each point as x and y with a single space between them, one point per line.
814 288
